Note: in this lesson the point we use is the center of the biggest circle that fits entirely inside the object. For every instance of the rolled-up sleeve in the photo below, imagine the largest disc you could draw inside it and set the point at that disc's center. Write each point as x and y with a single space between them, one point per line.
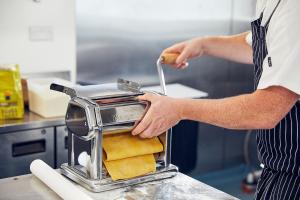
281 66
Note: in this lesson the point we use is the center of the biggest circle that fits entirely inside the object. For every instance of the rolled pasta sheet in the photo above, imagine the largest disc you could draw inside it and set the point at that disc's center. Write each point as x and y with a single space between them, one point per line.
125 145
131 167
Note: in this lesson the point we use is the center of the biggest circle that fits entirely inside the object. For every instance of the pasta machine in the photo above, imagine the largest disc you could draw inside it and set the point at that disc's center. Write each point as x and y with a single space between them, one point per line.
96 110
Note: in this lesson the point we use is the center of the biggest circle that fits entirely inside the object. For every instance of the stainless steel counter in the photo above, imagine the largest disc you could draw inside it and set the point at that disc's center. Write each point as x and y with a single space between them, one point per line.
30 121
181 187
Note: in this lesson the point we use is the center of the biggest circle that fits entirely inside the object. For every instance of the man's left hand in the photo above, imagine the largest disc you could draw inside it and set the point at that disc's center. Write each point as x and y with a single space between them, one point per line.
164 112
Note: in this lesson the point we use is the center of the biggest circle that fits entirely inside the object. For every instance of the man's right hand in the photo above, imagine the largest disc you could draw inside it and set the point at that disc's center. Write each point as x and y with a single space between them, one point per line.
188 49
234 48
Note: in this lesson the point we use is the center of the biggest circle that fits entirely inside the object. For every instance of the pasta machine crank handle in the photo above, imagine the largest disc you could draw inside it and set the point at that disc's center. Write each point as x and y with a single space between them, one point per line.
166 58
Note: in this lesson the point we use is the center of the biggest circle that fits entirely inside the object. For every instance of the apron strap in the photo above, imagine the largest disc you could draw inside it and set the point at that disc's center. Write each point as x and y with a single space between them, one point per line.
268 21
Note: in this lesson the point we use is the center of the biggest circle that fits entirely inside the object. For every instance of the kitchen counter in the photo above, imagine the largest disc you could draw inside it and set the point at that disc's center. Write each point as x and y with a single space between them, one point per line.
180 187
30 121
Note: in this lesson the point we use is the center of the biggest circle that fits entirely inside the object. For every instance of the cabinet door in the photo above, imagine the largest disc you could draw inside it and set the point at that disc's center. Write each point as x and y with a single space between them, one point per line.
19 149
61 145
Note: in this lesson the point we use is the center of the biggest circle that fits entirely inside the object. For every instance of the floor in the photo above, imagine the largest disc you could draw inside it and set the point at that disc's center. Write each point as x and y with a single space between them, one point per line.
228 180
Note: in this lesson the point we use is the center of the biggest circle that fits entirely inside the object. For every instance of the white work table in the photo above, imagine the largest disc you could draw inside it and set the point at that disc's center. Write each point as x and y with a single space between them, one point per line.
180 187
179 91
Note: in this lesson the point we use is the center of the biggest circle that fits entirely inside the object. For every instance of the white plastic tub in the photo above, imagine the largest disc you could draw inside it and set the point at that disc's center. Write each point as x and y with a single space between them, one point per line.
46 102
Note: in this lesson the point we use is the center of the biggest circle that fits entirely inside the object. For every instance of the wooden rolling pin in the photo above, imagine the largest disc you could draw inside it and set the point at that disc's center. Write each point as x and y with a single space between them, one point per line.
169 58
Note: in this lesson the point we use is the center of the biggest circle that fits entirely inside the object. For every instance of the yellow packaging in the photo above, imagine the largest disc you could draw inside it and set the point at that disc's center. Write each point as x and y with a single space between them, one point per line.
11 97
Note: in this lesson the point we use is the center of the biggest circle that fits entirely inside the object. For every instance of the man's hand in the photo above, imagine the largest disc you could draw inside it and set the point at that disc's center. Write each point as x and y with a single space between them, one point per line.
163 113
234 48
187 50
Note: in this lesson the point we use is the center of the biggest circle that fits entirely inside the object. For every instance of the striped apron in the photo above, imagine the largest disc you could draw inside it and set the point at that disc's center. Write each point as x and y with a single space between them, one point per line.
278 148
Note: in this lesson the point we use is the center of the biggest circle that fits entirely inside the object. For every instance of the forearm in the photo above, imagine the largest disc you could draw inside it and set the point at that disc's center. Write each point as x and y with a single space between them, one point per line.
232 113
259 110
233 48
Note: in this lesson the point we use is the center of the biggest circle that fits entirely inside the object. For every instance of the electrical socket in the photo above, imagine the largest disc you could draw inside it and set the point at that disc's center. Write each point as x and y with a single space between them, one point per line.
41 33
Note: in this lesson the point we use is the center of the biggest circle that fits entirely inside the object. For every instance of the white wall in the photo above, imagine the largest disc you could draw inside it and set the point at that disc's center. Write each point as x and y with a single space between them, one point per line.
39 35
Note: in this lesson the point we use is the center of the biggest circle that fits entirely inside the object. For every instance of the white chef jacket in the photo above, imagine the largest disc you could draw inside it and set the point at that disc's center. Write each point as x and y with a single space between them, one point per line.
281 66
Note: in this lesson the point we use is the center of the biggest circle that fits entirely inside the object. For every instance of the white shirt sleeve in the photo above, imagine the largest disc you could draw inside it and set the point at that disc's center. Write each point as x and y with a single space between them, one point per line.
281 67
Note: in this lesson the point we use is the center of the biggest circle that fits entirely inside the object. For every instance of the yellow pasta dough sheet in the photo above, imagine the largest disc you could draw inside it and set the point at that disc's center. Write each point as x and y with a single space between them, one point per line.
127 168
125 145
127 156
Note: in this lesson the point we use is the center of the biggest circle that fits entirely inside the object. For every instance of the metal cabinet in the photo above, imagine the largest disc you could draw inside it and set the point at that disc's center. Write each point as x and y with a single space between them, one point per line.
61 145
19 149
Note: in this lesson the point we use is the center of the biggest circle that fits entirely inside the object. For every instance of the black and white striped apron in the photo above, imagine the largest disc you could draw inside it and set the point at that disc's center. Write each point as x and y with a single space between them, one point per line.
278 148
